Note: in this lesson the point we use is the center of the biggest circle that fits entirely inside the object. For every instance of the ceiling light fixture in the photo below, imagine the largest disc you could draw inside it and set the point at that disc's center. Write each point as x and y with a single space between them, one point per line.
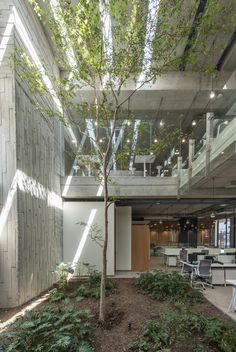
212 94
183 140
176 152
194 123
160 222
128 123
155 140
128 141
212 215
161 123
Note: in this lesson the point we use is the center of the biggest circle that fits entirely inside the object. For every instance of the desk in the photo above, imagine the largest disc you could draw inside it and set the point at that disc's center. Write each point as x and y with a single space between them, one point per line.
170 259
233 299
221 273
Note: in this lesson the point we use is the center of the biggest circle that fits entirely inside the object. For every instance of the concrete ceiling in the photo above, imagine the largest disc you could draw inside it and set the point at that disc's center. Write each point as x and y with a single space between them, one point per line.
151 209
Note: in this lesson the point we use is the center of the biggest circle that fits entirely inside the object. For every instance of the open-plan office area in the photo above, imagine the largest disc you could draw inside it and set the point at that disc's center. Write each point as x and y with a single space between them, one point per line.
159 149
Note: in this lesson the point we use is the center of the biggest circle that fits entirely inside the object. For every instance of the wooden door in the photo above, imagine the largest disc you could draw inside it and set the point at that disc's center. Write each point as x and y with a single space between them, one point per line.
140 247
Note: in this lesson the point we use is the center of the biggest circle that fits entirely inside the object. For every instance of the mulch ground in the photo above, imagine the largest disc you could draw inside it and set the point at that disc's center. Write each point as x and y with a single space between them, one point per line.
128 313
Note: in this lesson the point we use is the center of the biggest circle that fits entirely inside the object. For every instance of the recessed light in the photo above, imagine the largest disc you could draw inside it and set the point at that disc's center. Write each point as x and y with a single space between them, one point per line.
212 94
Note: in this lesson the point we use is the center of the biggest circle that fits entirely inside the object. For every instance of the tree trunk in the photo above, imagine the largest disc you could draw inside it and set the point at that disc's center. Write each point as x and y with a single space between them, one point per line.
102 311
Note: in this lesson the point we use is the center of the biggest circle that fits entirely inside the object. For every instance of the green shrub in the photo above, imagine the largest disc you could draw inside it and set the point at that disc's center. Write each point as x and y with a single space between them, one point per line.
88 289
49 329
200 332
167 286
62 271
55 295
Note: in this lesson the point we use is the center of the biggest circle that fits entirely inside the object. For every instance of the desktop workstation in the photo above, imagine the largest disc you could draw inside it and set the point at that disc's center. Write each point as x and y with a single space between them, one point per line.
223 266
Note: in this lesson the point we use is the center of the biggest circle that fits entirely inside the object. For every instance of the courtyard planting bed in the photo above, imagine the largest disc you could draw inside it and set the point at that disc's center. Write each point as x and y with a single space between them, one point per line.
148 314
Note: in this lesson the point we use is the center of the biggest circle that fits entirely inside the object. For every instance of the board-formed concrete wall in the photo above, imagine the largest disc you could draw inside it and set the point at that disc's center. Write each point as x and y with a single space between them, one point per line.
30 169
38 158
8 194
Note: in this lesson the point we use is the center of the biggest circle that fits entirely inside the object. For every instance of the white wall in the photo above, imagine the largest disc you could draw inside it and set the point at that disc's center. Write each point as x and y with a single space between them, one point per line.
74 235
123 238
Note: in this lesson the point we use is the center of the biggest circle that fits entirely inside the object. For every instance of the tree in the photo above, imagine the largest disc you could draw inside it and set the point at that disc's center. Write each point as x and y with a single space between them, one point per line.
111 49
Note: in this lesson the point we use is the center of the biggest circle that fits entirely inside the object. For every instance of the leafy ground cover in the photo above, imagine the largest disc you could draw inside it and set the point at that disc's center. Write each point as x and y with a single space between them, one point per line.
175 329
136 322
50 328
170 286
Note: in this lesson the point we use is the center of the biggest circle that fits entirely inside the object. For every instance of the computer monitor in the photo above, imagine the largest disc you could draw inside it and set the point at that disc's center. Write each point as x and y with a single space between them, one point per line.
192 257
211 257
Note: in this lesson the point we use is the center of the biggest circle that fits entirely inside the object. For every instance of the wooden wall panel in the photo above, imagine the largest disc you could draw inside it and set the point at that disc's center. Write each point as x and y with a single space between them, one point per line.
140 247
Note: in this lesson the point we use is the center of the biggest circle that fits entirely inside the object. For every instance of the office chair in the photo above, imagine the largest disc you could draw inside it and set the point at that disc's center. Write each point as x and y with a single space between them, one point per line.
202 274
183 254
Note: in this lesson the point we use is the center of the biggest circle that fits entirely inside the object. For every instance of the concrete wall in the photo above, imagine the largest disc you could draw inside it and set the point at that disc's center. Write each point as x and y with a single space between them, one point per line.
8 184
123 238
38 157
77 242
30 169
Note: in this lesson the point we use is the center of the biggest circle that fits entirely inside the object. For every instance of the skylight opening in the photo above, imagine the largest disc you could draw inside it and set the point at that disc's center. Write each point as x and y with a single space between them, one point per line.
107 34
58 16
6 37
153 9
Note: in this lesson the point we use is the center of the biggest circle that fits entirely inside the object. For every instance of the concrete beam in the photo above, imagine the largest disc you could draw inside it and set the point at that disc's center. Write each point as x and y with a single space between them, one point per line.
126 186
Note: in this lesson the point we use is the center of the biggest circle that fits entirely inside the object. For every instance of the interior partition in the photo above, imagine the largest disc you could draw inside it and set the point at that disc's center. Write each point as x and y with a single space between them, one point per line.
123 238
83 234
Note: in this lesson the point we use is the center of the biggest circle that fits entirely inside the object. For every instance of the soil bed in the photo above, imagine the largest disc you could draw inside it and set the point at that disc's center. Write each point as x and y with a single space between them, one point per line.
128 313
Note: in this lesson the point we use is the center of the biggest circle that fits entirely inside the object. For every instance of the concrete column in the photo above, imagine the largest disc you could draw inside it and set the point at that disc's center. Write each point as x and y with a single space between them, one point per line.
191 152
209 139
179 168
179 165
